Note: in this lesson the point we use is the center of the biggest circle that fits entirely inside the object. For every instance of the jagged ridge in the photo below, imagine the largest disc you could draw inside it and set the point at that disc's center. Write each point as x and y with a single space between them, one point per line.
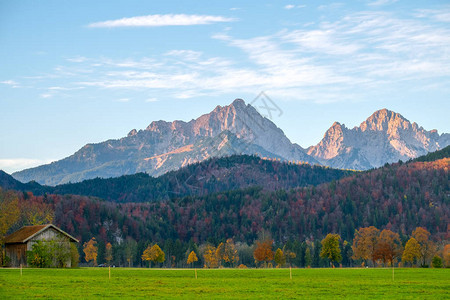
384 137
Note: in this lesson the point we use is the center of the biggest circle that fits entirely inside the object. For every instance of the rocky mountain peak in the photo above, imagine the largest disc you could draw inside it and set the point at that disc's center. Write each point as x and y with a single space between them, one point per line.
132 132
385 120
385 136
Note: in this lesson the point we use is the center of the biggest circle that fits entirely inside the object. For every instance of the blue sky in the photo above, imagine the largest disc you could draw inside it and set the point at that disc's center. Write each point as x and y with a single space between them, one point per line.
78 72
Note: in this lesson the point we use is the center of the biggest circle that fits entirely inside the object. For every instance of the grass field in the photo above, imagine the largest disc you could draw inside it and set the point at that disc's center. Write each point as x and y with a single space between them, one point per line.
225 283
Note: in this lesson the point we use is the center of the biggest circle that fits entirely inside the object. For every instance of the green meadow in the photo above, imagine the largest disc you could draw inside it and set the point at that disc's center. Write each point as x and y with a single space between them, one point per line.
225 283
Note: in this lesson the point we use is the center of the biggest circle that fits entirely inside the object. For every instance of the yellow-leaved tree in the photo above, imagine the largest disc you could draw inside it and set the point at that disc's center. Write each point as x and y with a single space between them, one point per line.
412 251
227 253
330 248
427 248
153 254
279 258
192 258
90 250
210 256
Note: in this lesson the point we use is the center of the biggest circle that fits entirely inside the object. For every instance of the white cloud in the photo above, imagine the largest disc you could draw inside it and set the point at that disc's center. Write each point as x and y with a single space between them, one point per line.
163 20
291 6
9 82
440 15
185 54
151 100
326 62
77 59
381 2
17 164
123 100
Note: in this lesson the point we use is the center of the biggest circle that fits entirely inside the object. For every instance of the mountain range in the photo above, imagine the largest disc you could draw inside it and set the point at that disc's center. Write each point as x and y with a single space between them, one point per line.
239 129
384 137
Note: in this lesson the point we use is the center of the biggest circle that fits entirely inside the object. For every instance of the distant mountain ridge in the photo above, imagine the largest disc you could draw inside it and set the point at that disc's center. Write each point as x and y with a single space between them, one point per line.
164 146
384 137
209 176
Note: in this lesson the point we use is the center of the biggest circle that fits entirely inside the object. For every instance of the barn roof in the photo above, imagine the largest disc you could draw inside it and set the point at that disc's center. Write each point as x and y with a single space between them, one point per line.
27 232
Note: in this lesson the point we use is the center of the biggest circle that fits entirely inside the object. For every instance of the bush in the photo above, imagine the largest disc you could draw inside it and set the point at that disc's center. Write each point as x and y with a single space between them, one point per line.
6 261
437 262
74 255
242 266
39 256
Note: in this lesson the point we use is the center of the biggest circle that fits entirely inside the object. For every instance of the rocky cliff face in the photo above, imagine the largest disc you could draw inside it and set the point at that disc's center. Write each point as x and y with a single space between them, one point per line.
163 146
384 137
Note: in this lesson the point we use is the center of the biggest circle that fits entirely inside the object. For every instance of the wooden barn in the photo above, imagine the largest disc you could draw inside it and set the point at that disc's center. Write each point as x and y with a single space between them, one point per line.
18 243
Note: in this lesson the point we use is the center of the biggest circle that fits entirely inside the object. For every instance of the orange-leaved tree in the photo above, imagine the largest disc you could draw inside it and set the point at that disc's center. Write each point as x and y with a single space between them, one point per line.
364 243
446 255
263 251
90 250
388 247
427 247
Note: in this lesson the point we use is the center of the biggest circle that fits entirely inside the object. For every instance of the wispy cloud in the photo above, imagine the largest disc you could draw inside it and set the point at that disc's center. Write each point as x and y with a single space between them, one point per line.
292 6
46 95
123 100
440 15
16 164
327 62
381 2
151 100
77 59
9 82
162 20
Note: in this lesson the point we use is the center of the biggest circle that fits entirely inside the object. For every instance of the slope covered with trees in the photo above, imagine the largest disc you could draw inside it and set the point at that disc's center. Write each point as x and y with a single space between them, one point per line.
210 176
397 197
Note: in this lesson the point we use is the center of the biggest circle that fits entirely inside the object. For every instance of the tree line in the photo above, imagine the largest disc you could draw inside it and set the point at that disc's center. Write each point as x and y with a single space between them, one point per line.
370 247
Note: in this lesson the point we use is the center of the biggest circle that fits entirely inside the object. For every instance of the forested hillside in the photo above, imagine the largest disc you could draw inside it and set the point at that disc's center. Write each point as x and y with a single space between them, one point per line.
399 197
199 179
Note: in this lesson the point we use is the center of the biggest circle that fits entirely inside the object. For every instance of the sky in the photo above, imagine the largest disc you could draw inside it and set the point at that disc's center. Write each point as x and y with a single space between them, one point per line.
78 72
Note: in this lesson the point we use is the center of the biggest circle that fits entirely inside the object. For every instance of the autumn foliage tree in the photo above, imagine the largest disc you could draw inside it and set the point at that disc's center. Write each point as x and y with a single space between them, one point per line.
263 251
411 252
192 258
153 254
210 256
227 253
9 212
364 243
36 213
279 258
446 255
90 250
330 248
426 246
388 247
